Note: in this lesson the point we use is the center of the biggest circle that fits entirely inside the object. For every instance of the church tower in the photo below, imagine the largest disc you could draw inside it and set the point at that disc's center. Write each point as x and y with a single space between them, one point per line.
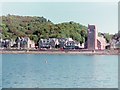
92 37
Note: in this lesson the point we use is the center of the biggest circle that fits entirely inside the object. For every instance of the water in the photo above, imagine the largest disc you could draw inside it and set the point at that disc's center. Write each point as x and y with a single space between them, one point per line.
56 71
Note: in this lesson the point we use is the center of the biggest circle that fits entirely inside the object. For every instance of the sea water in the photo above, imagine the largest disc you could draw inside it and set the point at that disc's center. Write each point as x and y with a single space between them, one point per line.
59 71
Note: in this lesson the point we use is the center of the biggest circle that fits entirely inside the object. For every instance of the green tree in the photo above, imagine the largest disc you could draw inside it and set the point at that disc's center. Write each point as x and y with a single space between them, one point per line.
108 37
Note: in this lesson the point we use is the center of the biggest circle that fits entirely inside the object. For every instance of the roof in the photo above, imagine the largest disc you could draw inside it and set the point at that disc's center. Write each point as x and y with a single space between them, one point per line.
101 39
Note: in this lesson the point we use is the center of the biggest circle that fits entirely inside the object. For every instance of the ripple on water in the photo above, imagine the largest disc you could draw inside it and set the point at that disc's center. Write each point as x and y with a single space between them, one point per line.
61 71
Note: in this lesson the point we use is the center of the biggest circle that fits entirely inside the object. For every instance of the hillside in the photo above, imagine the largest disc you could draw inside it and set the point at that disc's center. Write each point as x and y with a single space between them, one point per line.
40 27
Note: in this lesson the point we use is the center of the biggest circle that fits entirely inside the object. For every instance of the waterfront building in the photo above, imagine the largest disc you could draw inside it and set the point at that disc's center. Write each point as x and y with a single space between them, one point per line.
92 37
30 44
44 43
6 43
114 44
94 42
73 44
62 42
18 39
68 43
54 43
25 43
101 43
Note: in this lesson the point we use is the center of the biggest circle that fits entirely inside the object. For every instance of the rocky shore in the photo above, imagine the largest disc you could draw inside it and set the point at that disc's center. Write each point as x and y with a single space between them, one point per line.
84 52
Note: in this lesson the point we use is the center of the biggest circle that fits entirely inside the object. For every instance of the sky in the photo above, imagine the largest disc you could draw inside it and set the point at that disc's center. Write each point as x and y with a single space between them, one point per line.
103 14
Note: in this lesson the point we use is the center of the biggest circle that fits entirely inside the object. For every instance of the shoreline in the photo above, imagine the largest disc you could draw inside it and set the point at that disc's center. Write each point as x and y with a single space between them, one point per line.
60 52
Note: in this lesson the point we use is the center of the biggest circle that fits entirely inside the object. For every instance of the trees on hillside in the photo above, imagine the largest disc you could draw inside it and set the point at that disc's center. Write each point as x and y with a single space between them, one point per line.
40 27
